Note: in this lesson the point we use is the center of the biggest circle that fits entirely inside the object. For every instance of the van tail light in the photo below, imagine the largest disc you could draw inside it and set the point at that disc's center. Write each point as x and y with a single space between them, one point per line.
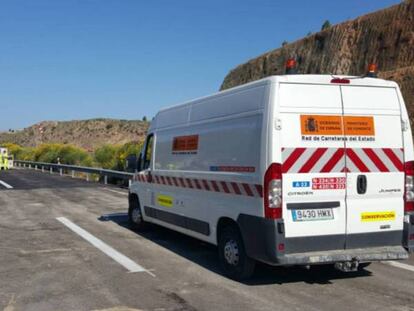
273 191
409 187
340 81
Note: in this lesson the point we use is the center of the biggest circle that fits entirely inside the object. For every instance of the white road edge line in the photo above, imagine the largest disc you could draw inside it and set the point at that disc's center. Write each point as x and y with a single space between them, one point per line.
130 265
399 265
5 185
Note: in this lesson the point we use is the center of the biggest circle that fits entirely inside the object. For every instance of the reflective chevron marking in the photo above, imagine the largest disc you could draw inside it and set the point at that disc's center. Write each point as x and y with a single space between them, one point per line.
327 160
235 188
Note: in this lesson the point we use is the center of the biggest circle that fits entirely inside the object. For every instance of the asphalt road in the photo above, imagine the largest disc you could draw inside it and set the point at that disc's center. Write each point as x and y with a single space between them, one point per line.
46 266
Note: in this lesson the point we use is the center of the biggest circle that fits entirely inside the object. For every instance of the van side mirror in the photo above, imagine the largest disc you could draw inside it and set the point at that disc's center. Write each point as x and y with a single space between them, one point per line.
131 163
139 163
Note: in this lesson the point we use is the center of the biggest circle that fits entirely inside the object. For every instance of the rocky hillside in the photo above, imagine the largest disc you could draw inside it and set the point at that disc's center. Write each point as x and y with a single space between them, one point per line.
88 134
385 37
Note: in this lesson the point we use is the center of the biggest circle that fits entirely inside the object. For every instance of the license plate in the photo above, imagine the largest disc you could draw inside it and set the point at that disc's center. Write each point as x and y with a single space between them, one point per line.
312 214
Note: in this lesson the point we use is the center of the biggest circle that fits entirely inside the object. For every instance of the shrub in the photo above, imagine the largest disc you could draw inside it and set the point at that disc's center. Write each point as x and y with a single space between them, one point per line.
105 156
27 154
47 153
72 155
13 149
124 151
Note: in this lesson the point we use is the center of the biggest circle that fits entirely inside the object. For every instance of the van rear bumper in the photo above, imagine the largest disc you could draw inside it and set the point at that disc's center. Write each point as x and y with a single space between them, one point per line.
265 241
360 255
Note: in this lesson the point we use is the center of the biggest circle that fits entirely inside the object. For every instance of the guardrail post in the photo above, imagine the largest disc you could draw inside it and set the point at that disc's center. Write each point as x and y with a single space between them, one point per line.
105 179
73 174
87 176
61 171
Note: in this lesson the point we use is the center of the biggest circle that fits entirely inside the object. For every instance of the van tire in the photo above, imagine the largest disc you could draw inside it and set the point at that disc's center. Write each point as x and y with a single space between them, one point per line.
135 219
232 255
363 265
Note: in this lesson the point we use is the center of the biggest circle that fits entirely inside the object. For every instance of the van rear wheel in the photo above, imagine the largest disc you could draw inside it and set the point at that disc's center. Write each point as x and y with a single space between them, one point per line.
232 255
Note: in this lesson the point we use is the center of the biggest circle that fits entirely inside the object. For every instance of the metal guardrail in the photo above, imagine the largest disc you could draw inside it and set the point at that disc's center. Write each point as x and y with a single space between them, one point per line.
62 168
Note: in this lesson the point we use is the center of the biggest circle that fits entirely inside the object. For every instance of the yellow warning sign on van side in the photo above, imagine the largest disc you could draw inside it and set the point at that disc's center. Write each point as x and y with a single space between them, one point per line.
165 200
377 216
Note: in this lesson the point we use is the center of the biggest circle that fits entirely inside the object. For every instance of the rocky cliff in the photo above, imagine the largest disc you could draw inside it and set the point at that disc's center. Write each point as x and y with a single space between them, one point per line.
385 37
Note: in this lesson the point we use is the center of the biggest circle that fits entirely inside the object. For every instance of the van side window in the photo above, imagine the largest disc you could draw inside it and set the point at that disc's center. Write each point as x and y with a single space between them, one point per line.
148 151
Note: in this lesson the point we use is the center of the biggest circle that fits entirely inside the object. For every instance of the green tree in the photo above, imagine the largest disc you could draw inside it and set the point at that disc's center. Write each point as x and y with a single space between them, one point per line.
326 25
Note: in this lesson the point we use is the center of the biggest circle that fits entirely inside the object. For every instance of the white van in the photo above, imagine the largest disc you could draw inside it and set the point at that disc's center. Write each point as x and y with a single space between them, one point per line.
287 170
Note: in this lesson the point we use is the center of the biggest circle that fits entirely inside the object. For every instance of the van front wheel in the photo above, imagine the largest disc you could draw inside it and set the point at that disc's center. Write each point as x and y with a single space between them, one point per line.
232 255
135 218
363 265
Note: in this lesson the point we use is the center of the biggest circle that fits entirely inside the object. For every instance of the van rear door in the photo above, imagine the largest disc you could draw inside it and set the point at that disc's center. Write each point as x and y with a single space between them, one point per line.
374 165
313 165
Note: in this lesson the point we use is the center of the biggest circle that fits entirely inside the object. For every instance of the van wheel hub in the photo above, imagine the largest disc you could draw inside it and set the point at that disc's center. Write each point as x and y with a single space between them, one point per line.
136 215
231 253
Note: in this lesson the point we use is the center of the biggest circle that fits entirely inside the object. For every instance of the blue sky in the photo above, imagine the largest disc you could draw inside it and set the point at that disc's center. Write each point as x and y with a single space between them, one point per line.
78 59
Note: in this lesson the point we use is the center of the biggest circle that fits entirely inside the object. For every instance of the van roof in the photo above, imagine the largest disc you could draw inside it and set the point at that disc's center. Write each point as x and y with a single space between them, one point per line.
296 78
326 79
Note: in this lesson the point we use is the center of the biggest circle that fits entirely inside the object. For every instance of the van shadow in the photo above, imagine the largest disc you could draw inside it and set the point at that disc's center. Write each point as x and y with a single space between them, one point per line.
205 255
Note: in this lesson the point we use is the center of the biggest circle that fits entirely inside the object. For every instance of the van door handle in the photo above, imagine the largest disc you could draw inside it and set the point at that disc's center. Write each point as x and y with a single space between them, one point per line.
362 184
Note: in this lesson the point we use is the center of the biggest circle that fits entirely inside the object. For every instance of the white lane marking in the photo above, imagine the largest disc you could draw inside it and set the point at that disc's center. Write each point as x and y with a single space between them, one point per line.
130 265
116 191
5 185
399 265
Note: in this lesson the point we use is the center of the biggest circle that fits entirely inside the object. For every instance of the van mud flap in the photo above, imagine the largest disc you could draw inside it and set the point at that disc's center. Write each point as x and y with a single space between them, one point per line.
408 239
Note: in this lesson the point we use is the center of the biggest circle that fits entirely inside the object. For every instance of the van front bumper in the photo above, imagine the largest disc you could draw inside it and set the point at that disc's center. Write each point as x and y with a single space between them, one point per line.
265 241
